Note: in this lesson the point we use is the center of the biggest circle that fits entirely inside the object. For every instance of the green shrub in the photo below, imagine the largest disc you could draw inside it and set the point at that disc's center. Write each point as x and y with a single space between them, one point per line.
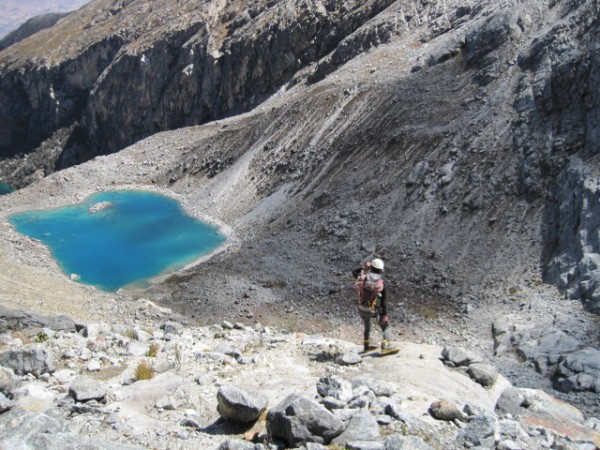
41 337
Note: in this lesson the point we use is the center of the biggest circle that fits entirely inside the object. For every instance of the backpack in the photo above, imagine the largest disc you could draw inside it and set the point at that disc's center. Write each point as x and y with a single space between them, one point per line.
369 286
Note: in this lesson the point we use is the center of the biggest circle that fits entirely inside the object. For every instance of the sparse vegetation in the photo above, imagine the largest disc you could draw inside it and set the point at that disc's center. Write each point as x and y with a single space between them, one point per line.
143 371
153 350
130 334
40 337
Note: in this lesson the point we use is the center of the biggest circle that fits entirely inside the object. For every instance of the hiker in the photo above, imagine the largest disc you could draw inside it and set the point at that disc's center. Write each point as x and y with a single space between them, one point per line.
371 301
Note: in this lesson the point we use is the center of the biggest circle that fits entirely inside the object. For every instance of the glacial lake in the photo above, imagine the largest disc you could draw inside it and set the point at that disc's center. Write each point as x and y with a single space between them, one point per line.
5 188
120 238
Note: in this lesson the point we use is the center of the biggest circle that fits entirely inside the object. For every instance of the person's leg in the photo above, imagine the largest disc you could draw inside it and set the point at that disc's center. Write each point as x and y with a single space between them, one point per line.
367 329
387 334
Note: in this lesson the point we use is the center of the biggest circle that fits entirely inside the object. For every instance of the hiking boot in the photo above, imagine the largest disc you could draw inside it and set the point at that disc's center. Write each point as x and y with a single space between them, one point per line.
368 347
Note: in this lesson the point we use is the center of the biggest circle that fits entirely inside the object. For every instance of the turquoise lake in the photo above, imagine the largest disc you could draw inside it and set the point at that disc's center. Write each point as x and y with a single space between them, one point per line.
120 238
5 188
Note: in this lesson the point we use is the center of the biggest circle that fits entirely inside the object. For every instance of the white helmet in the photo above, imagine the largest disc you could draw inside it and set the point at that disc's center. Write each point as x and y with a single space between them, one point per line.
377 264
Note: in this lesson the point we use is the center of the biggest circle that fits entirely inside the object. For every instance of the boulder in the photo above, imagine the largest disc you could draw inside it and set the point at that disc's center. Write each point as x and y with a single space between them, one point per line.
362 427
484 374
238 405
481 430
443 410
35 360
335 387
457 357
296 421
84 389
511 401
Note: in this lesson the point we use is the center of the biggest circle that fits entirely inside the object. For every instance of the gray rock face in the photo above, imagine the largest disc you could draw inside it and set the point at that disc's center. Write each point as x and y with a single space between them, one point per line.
176 78
575 263
35 360
544 347
84 389
579 371
297 420
240 406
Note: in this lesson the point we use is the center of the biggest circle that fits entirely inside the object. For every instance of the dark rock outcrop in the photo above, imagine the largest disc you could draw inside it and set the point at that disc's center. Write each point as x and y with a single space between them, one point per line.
120 86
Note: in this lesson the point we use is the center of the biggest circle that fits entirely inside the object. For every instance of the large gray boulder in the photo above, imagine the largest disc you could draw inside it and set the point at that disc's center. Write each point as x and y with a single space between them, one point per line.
362 427
240 406
296 421
35 360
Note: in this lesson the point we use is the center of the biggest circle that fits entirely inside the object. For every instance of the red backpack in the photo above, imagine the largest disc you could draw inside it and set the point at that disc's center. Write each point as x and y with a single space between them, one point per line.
369 287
